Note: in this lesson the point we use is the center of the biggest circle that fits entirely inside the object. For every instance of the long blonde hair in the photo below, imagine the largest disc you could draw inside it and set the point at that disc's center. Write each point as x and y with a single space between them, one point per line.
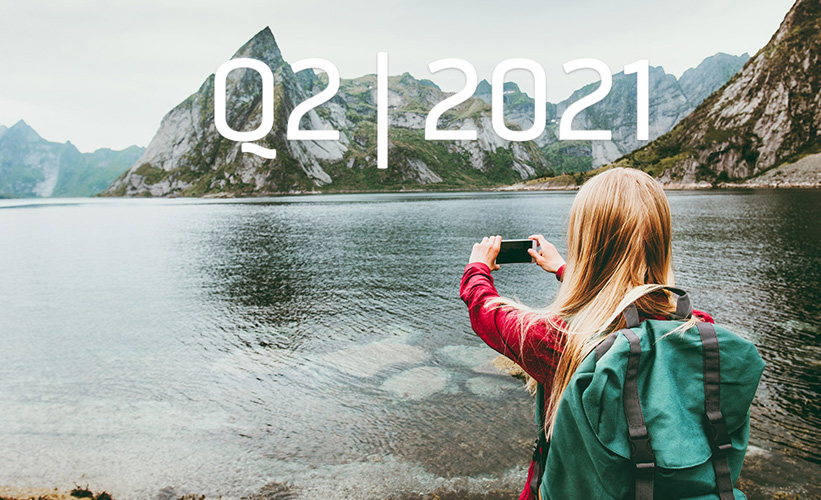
619 252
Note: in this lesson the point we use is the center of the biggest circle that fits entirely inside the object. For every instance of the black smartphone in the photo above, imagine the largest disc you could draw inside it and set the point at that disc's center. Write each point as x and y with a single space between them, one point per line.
515 251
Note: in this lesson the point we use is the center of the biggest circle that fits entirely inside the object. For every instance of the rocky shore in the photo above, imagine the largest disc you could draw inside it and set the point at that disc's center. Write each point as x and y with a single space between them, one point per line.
803 173
767 475
806 172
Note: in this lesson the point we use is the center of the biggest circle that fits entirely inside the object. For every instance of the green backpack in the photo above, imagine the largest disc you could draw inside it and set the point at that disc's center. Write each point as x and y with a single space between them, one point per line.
647 417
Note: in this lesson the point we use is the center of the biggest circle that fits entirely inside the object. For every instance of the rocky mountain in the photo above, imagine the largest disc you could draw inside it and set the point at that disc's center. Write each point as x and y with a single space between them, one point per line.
768 114
189 157
699 82
671 100
32 166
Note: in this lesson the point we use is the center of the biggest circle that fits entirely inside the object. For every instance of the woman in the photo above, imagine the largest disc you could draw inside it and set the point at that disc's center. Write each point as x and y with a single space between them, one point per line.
619 252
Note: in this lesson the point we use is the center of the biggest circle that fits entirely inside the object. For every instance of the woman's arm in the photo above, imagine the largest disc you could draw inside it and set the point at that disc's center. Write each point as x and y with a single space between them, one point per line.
500 327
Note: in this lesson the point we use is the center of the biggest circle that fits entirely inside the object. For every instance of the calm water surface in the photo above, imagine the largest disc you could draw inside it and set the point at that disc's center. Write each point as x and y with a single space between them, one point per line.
216 346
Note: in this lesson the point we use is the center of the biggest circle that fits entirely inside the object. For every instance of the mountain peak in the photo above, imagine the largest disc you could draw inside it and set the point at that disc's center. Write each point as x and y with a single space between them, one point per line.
262 46
187 158
32 166
763 116
723 58
21 131
511 87
265 35
711 73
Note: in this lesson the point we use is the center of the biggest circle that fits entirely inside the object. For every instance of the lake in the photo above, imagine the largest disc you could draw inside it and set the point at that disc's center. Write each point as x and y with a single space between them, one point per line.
215 346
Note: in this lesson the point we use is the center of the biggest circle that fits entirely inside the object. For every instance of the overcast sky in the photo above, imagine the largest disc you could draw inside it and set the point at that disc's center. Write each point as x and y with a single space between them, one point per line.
104 73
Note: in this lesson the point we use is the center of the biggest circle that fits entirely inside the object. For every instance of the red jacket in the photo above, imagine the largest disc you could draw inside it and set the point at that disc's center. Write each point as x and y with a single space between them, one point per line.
499 328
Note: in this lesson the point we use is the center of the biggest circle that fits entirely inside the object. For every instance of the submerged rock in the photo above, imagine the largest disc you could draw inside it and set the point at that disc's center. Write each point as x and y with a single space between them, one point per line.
365 361
501 365
490 387
466 355
417 383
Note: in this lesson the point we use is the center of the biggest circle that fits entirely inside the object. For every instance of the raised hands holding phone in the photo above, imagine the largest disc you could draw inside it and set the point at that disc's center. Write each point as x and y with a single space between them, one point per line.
487 250
547 257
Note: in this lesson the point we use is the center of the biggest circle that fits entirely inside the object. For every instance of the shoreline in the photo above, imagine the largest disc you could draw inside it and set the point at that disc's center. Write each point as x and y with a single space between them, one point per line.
530 186
545 187
670 186
767 475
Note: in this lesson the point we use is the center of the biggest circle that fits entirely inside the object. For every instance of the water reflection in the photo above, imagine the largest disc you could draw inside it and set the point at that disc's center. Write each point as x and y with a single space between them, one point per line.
222 342
760 250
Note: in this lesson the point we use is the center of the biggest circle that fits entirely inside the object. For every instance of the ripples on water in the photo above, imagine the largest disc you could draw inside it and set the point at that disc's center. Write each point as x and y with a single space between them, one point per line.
216 346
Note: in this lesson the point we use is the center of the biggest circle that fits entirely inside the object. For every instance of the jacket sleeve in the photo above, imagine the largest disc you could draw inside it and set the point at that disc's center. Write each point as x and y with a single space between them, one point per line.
537 354
703 316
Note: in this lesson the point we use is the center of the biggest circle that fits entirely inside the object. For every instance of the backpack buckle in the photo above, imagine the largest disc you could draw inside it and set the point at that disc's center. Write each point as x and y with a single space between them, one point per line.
717 432
641 453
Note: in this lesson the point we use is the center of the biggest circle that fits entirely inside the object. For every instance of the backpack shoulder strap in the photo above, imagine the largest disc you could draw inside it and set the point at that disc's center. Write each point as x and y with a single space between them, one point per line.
605 345
641 453
716 427
684 308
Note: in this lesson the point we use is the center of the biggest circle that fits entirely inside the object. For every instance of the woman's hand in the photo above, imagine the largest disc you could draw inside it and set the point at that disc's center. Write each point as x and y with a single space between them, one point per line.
486 251
547 257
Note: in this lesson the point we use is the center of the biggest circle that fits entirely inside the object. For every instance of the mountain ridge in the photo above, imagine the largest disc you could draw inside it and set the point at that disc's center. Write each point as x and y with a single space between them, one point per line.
31 166
188 157
768 114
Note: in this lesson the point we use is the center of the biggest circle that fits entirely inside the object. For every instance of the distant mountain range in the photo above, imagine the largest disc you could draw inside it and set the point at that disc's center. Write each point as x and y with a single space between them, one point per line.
188 157
671 100
31 166
714 124
767 115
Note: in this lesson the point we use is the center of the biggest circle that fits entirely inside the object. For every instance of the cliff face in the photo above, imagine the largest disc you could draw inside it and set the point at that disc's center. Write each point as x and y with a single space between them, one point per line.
189 157
767 114
31 166
671 100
